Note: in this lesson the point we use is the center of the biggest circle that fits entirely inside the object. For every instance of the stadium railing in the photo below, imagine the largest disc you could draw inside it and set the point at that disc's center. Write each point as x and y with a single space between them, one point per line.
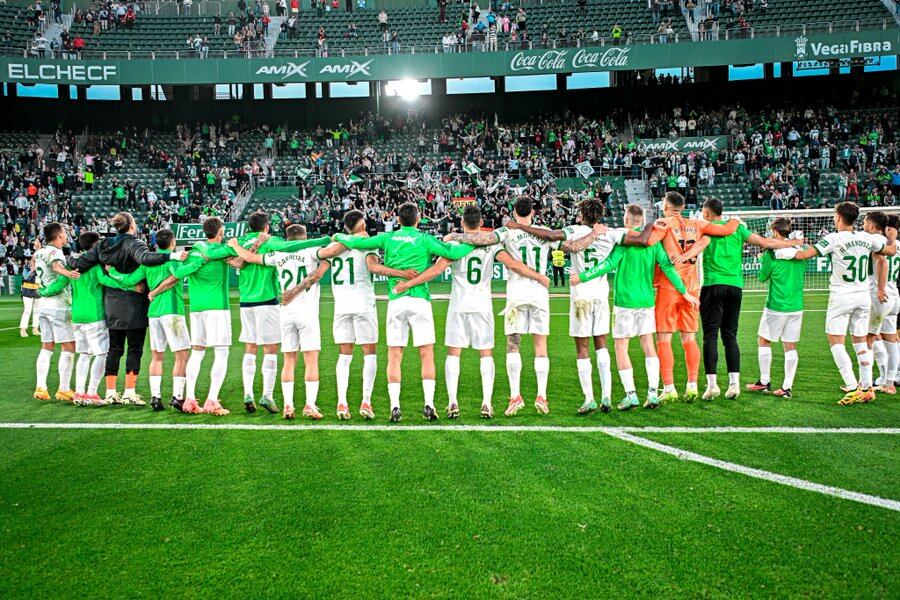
847 25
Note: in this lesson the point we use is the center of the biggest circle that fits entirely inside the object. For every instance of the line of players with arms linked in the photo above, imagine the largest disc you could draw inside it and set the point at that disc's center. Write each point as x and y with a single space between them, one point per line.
656 291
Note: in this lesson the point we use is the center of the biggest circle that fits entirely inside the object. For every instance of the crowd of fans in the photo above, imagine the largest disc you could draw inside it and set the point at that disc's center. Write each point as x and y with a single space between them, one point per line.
779 157
782 155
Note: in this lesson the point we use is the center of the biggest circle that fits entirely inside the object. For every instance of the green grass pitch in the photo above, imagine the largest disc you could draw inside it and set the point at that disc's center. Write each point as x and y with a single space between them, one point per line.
449 514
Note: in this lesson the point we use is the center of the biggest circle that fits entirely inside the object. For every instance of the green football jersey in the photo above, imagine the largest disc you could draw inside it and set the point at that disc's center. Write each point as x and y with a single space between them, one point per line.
258 284
635 267
785 277
722 259
207 279
406 248
87 294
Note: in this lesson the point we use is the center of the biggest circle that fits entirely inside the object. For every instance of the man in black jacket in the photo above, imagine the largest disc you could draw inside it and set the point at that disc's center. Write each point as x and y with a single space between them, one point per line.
126 312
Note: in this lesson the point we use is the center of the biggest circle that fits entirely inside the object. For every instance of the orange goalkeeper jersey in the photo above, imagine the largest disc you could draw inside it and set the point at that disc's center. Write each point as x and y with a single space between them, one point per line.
677 236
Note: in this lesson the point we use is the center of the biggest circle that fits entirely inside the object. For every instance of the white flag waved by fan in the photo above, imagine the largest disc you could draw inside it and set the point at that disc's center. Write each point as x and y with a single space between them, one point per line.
471 169
585 169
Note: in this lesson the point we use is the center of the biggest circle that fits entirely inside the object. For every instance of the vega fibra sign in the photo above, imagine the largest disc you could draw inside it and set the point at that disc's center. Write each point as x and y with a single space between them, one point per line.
190 233
685 144
833 46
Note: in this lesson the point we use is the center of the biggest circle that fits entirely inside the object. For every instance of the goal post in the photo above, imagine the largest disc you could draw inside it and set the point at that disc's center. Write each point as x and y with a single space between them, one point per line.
814 223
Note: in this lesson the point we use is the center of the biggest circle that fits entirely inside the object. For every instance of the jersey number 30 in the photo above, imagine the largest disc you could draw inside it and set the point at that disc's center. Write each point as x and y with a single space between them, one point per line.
857 269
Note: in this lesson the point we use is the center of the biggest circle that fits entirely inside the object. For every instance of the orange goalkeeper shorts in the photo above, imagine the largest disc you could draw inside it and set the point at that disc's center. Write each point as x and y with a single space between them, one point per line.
674 313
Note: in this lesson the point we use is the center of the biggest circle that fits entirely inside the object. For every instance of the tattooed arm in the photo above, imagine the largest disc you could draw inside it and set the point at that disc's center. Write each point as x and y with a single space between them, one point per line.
478 238
573 246
308 282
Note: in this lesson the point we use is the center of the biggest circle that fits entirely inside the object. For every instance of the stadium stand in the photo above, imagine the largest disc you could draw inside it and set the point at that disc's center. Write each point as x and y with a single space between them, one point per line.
418 28
798 12
186 35
16 27
547 23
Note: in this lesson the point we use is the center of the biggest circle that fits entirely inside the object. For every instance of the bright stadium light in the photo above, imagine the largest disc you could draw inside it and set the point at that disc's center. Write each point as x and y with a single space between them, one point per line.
408 89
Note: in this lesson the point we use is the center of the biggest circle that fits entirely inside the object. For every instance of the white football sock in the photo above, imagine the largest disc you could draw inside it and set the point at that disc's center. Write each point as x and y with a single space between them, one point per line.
428 390
451 374
269 374
192 372
217 372
370 369
248 373
734 378
312 392
651 363
82 371
178 386
98 368
764 355
585 372
627 377
342 374
864 361
844 365
155 386
791 359
604 369
879 353
487 379
712 380
514 373
542 371
893 362
287 392
394 394
66 363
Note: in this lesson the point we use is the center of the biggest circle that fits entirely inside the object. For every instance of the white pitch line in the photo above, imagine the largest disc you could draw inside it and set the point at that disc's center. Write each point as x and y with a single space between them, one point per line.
794 482
456 428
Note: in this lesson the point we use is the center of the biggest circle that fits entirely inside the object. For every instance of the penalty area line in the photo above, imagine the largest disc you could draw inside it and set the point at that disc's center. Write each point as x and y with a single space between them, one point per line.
786 480
454 428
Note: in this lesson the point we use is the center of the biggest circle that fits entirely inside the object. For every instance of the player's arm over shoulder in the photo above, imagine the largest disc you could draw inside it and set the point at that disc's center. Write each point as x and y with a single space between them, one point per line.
824 246
716 230
888 247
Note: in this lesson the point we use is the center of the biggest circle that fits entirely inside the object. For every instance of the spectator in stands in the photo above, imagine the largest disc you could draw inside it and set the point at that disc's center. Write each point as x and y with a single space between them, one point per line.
852 185
442 11
521 21
395 42
78 45
662 31
616 33
39 45
383 20
691 11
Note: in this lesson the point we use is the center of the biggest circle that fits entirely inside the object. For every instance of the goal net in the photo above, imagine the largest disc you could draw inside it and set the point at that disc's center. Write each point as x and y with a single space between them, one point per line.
814 223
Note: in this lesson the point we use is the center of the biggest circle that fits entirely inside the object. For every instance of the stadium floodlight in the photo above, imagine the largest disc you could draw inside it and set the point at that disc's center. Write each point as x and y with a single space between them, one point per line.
408 89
